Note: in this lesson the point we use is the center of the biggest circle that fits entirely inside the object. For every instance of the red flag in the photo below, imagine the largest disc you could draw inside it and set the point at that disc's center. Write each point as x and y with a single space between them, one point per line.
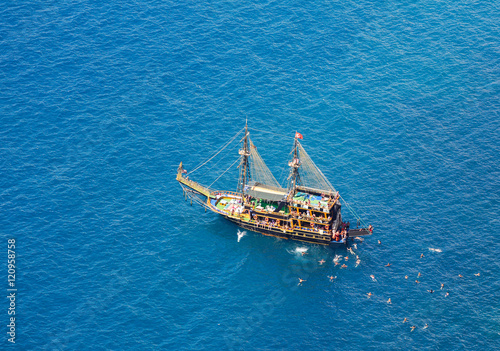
298 135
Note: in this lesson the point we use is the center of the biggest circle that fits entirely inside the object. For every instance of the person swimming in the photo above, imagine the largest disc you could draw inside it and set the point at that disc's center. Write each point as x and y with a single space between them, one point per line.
322 261
373 277
413 328
447 294
431 291
442 285
369 294
426 326
332 277
301 281
419 275
343 266
406 277
389 301
477 274
405 320
388 265
422 255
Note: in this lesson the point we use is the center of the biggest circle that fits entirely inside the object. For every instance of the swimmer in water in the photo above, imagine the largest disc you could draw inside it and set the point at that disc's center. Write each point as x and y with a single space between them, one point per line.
355 246
477 274
413 328
405 320
419 275
447 294
336 263
332 278
304 253
426 326
301 281
389 301
372 276
343 266
346 258
379 242
406 277
388 265
431 291
369 294
322 261
460 276
416 281
442 285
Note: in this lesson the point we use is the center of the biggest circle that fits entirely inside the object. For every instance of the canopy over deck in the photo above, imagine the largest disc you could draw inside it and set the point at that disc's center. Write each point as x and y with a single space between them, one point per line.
265 192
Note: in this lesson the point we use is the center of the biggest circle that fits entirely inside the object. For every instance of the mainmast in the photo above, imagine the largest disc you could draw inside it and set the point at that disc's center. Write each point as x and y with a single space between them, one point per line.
244 174
294 165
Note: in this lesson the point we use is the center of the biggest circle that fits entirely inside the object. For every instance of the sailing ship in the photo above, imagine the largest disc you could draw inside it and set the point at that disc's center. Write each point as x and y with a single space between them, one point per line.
308 209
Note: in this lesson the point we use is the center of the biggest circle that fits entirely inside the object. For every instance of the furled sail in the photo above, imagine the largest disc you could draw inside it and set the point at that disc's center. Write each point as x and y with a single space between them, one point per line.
310 175
259 172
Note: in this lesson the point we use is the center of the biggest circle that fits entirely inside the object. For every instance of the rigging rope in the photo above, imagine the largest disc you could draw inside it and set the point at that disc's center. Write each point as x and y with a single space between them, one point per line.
229 152
218 152
363 224
259 170
225 171
309 173
312 175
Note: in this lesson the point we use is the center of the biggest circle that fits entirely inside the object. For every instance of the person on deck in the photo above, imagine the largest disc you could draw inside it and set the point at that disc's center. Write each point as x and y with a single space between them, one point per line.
337 236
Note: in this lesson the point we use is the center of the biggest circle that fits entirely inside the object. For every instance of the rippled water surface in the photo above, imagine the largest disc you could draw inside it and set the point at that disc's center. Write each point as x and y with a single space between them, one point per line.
398 103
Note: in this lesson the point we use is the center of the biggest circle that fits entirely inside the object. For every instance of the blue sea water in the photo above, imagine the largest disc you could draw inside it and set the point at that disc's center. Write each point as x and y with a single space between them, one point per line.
399 106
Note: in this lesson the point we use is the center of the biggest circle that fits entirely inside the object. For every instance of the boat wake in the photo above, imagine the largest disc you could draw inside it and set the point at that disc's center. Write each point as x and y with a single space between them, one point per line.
299 251
241 234
435 250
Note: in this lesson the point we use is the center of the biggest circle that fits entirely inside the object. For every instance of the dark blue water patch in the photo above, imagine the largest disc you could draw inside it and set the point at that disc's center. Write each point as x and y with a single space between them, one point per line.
398 104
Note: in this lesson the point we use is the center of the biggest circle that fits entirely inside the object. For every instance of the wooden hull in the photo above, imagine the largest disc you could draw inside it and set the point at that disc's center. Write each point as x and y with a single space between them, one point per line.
315 238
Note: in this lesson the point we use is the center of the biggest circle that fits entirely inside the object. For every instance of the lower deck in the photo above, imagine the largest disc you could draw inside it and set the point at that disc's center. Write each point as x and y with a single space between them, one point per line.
286 234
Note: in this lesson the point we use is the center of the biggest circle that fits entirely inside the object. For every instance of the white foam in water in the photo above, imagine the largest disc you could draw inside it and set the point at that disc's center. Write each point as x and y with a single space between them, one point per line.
301 250
435 250
241 234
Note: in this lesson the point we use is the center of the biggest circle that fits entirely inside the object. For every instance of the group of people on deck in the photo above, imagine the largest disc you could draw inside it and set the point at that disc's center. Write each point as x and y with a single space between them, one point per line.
342 232
306 215
273 223
276 223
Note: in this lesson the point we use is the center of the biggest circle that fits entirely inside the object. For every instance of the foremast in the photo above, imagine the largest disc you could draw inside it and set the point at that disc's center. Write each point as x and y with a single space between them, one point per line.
244 165
294 164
